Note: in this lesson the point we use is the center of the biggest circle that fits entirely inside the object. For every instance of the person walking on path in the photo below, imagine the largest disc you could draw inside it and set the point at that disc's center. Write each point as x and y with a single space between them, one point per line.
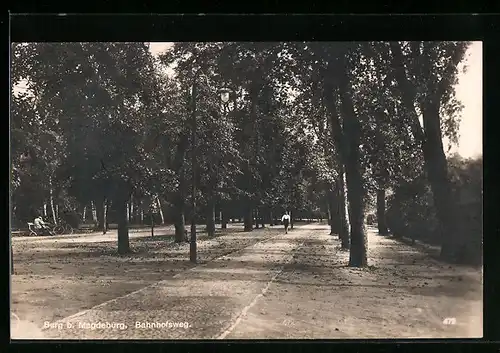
286 221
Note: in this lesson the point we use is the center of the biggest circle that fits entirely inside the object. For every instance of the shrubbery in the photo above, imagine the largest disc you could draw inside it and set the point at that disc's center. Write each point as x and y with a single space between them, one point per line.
411 212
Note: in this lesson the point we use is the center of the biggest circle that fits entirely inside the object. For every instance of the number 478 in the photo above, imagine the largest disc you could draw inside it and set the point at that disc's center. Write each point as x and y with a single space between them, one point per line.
450 321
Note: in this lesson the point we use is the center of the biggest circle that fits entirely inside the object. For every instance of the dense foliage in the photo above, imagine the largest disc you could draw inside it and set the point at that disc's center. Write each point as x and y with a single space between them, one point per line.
100 132
411 212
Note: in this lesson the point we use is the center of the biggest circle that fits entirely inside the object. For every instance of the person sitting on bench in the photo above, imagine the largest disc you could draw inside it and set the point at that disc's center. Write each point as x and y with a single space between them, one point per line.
41 226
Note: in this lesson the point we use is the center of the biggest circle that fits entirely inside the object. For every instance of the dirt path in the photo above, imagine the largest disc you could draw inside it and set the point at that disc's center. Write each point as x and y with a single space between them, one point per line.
404 294
291 286
57 278
208 299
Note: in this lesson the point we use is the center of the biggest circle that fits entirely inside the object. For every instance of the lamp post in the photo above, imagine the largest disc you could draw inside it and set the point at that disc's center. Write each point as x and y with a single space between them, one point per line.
192 243
224 96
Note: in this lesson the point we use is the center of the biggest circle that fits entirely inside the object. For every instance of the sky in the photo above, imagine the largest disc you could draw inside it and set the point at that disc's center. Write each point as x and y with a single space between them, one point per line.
470 93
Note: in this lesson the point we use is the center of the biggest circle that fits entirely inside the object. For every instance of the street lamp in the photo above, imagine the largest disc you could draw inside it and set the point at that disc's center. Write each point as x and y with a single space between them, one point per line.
224 96
192 242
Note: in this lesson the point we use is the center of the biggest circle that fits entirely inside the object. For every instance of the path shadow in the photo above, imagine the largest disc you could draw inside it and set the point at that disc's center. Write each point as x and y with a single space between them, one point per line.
295 252
150 257
334 284
141 246
325 229
390 251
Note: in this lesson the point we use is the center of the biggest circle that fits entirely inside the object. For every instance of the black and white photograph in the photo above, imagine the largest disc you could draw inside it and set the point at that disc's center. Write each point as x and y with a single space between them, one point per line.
246 190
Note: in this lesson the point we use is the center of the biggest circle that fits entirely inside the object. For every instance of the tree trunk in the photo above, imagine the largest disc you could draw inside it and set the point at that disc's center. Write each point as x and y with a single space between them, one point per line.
52 208
261 217
224 219
291 219
333 214
347 138
452 248
109 204
340 140
358 254
354 177
132 218
160 211
247 220
45 209
180 221
355 190
179 197
100 214
435 159
152 220
328 216
11 260
256 217
94 212
340 220
271 217
211 216
344 225
104 216
84 216
381 221
180 210
141 206
123 236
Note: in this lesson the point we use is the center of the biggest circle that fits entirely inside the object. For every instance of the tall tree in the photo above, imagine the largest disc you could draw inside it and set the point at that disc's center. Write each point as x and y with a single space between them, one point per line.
341 60
426 73
96 96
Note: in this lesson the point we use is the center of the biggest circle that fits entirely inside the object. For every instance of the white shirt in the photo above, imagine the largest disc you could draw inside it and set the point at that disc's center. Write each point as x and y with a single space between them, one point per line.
39 222
285 216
